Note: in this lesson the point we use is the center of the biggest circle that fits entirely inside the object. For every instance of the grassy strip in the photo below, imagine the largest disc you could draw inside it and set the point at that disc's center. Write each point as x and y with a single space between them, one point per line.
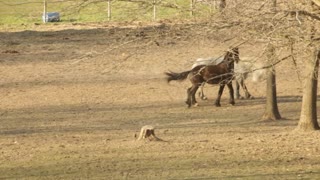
17 12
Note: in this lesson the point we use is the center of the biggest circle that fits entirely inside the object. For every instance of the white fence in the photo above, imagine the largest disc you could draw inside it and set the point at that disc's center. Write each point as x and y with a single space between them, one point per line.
106 10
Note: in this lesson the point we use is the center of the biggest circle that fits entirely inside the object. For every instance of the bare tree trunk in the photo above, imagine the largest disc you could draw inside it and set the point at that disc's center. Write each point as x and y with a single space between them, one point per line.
271 111
308 118
148 133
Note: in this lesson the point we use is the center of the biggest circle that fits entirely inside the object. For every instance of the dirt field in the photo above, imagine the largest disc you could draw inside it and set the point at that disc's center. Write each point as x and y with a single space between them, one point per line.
73 98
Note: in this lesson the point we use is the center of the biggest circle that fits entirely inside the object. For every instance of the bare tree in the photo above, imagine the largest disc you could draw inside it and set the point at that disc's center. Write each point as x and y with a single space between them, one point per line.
271 111
308 118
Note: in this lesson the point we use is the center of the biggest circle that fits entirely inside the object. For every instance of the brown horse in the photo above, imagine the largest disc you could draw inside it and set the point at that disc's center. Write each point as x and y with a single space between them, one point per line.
221 74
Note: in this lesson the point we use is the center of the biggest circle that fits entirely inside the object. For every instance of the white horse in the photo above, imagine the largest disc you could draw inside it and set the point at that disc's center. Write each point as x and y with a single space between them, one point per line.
241 73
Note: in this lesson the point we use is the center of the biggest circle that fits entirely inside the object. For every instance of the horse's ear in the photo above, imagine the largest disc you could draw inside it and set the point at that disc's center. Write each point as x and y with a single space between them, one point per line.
235 50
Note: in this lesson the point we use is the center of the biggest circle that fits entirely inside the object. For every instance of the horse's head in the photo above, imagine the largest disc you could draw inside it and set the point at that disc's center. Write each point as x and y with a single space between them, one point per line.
232 56
235 54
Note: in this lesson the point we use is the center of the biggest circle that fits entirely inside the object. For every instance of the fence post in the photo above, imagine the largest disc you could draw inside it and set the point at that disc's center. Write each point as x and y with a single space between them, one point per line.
109 10
191 7
154 10
44 11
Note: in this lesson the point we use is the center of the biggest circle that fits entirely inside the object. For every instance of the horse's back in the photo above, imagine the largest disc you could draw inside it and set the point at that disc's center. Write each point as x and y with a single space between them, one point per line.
207 61
259 72
214 74
247 67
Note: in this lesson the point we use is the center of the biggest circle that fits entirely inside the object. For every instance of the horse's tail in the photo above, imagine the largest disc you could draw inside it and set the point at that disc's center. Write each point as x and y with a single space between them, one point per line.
177 76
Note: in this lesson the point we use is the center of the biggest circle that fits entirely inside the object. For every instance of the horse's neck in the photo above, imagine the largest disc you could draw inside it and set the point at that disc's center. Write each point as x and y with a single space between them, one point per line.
229 67
228 61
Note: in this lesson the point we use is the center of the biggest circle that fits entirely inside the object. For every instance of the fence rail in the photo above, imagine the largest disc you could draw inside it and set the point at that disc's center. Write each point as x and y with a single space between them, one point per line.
30 11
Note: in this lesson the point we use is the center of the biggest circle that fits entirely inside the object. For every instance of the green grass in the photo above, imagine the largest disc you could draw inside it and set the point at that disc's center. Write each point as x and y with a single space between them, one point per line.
17 12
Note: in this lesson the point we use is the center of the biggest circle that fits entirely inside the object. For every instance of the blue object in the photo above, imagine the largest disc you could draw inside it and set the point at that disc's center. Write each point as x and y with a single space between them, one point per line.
51 17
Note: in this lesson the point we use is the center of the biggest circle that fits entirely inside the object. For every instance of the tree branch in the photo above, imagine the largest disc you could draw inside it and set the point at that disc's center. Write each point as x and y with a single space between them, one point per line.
305 13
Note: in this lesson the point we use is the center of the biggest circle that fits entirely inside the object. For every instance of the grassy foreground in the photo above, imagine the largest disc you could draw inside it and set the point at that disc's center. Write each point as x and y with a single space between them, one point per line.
70 108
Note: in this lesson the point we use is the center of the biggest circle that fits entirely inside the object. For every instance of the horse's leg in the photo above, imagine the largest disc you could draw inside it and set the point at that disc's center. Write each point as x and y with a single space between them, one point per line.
217 103
188 101
231 101
246 92
238 96
201 94
193 92
191 99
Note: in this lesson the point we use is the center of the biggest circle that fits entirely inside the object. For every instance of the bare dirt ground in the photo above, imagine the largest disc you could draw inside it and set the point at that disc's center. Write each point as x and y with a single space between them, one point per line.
73 98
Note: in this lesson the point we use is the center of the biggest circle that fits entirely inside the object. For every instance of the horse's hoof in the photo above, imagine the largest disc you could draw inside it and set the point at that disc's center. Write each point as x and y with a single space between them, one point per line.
195 105
251 97
241 97
218 105
204 98
232 103
188 104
